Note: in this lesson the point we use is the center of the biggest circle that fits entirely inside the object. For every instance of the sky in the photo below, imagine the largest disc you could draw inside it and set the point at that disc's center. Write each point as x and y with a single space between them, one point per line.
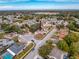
39 4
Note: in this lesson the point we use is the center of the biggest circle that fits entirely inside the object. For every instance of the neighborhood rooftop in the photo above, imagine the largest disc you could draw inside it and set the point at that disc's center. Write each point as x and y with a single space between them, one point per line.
16 48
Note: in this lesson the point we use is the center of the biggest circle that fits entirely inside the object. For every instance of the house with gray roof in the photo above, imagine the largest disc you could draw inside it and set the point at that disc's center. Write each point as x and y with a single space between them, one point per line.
6 42
31 22
16 49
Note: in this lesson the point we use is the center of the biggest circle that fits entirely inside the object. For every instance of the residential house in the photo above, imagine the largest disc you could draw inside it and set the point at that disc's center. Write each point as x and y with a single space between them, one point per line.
15 49
31 22
6 42
11 35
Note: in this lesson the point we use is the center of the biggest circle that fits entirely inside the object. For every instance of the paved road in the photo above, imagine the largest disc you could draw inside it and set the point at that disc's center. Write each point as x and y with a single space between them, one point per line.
32 54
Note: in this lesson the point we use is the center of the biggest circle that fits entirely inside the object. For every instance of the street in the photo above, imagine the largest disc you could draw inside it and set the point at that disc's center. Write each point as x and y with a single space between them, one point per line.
32 54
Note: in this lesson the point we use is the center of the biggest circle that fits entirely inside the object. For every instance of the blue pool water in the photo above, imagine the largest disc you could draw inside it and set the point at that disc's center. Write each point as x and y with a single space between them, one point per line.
7 55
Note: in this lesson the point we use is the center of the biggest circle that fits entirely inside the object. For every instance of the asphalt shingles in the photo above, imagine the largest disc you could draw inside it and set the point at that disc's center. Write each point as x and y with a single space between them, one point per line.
16 48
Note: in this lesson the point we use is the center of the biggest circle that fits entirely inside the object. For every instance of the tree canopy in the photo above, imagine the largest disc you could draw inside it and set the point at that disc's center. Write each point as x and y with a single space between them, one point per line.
72 37
45 50
63 45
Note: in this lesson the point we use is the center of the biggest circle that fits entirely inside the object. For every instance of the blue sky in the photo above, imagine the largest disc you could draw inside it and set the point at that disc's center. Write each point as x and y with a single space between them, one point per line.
38 4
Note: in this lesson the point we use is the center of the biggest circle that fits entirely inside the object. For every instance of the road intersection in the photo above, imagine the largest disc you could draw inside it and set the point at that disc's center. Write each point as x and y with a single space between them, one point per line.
33 53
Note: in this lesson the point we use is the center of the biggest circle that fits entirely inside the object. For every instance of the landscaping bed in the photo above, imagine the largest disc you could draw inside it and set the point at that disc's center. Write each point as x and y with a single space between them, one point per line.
39 36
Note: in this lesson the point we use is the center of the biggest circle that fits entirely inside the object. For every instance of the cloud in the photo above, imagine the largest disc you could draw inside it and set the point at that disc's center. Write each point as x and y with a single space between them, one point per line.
18 5
45 0
35 7
4 1
40 0
66 0
60 0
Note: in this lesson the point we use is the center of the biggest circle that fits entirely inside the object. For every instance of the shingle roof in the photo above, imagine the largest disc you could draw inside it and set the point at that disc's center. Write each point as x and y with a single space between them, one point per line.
17 48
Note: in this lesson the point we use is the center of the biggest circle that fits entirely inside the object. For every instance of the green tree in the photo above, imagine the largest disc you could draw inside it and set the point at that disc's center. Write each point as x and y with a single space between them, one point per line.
72 25
73 50
34 27
63 45
2 35
68 40
72 57
73 42
49 42
15 39
4 26
72 37
45 50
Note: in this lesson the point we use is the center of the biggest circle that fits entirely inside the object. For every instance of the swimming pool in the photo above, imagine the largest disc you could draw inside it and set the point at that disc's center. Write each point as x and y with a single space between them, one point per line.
7 55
